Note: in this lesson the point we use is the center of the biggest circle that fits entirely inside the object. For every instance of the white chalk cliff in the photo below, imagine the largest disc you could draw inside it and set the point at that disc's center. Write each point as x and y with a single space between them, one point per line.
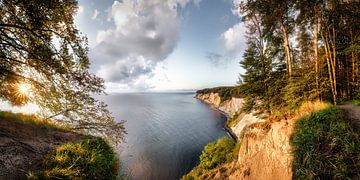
265 151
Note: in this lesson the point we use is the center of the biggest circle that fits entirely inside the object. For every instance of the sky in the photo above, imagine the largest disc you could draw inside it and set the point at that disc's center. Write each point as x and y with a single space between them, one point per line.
160 45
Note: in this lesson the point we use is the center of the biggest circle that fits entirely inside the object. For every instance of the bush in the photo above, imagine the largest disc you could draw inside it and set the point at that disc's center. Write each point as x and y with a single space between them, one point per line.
325 147
88 159
224 150
217 153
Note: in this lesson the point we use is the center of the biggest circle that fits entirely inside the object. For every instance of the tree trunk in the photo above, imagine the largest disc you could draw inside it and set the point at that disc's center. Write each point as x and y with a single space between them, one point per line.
316 50
333 41
287 48
330 65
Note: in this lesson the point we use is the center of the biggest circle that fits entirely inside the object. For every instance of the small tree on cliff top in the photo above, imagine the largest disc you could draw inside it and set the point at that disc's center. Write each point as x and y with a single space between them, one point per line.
42 52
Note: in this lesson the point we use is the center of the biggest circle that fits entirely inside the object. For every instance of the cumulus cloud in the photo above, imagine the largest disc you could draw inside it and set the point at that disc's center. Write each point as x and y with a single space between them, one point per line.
96 13
234 40
143 34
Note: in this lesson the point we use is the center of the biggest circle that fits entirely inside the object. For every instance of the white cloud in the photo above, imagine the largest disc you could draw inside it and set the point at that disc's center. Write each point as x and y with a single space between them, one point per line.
144 34
80 9
235 10
96 13
234 40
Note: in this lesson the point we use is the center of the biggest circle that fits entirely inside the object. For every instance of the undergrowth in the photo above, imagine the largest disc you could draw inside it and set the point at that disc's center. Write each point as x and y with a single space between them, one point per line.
31 119
88 159
224 150
325 147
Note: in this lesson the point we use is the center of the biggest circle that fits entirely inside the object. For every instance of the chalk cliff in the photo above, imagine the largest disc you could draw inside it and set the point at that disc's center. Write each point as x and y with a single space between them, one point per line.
230 107
265 151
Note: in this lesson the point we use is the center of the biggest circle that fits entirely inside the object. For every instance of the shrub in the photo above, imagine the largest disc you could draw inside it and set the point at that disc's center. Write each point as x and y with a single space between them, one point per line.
88 159
325 147
222 151
217 153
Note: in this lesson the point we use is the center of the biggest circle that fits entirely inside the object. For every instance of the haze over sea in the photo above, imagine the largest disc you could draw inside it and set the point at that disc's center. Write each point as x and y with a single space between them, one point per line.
166 132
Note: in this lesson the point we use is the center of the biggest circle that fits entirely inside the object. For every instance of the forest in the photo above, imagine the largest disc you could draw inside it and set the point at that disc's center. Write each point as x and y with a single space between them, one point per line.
300 51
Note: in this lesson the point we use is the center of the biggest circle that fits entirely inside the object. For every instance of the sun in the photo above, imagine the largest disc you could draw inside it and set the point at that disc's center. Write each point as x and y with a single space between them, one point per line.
24 88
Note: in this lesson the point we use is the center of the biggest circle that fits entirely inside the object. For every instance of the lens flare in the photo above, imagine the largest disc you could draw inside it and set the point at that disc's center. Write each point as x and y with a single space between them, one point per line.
24 89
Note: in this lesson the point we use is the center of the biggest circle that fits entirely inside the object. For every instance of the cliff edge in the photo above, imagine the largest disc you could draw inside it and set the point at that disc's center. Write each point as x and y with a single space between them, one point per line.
265 151
314 140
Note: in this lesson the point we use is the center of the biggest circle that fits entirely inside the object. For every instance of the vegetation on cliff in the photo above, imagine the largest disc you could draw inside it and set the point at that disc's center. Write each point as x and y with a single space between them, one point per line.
44 61
299 52
224 150
225 92
91 158
325 146
40 149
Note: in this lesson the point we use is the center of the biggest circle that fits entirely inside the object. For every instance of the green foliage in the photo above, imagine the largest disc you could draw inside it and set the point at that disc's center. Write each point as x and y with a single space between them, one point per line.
355 102
322 57
225 92
31 119
217 153
57 73
224 150
300 88
325 147
88 159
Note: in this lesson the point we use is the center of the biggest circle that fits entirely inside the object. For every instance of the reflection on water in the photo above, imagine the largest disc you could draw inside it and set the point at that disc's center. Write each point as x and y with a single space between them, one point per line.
166 132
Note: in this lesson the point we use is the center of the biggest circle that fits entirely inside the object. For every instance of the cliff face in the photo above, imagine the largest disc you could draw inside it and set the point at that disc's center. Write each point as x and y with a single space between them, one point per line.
265 151
231 107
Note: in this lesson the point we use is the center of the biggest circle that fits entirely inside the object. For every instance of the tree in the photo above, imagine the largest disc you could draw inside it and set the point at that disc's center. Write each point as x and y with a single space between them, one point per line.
308 19
40 47
277 20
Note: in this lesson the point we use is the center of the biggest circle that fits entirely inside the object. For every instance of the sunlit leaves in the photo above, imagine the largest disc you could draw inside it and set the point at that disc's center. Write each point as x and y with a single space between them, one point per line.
39 44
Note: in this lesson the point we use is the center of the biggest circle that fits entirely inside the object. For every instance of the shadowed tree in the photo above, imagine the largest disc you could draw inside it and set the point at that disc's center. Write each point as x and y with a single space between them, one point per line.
40 47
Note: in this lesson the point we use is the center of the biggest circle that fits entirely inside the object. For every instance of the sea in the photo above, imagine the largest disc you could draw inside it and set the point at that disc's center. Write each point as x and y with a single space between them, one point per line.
166 132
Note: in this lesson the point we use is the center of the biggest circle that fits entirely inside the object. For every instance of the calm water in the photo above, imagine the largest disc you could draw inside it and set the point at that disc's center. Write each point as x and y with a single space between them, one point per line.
166 132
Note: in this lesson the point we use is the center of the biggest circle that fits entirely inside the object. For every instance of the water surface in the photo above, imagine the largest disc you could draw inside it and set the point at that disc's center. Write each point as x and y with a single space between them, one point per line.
166 132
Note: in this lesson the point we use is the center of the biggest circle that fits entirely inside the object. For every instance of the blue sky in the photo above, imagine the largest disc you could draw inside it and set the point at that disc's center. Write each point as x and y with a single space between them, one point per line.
142 45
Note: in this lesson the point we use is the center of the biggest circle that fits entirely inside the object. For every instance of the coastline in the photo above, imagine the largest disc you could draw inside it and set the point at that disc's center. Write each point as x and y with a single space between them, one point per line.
227 129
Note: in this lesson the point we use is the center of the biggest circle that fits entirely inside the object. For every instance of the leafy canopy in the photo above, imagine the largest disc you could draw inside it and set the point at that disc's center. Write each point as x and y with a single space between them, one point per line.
40 47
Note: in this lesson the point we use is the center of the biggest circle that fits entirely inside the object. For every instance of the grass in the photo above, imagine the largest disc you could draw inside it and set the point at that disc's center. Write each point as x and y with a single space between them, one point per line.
224 150
355 102
88 159
32 119
303 110
325 147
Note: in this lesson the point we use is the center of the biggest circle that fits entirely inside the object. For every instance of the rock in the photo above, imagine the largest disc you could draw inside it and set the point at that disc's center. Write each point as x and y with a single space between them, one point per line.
265 151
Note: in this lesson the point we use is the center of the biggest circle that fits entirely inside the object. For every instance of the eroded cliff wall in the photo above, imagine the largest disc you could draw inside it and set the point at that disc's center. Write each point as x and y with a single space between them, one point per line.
265 151
231 107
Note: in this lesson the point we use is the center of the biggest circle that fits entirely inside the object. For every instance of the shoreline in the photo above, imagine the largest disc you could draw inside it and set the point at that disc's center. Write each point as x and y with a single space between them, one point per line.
227 116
